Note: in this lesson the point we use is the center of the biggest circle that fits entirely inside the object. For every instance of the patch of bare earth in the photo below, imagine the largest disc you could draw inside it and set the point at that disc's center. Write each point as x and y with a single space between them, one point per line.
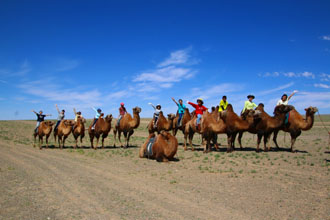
113 183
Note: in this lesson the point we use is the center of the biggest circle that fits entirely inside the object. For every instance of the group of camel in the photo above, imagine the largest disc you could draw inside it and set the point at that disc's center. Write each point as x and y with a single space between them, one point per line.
165 146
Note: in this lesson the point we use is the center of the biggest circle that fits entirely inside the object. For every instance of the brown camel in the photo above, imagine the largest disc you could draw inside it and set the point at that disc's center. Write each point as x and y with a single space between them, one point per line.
164 148
189 131
102 127
62 132
44 129
235 124
211 126
79 130
185 118
296 124
127 125
267 124
163 124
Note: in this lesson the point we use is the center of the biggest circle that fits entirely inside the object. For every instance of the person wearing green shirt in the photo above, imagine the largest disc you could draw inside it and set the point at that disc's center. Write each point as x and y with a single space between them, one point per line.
249 104
223 104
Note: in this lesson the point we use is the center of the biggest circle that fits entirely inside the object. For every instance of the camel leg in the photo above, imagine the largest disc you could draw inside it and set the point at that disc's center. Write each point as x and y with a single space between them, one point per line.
240 135
185 141
125 136
114 137
47 141
81 140
97 142
293 140
215 142
258 142
275 139
76 142
191 135
63 142
229 143
40 142
233 140
130 133
265 142
91 139
59 142
35 137
119 138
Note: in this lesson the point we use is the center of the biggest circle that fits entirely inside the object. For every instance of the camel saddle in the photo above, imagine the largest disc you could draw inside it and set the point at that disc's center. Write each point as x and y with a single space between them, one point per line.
149 146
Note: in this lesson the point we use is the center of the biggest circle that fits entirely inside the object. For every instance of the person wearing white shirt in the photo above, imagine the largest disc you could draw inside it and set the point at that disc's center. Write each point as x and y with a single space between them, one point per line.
285 99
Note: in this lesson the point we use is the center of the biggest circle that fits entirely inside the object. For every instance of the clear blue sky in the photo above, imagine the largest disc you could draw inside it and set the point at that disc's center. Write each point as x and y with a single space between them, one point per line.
100 53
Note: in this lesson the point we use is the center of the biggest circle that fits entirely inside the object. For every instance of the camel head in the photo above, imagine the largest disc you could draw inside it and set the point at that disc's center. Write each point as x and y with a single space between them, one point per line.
108 118
81 119
311 110
165 134
137 110
171 116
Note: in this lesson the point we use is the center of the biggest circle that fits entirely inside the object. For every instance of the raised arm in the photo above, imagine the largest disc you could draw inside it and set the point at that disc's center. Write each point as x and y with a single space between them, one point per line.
174 101
58 110
74 111
94 109
152 105
34 112
294 92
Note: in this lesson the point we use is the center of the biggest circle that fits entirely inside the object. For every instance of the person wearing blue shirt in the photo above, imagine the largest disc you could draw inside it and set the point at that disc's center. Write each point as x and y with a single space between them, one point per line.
181 109
98 113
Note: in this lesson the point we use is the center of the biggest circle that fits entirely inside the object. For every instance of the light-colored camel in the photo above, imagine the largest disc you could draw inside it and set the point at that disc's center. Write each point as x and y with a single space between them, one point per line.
189 131
211 126
44 129
163 124
267 124
79 130
185 118
234 124
163 149
102 127
62 132
127 125
296 124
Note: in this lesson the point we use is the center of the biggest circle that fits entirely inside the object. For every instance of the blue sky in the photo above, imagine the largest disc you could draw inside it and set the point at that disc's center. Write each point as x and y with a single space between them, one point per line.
100 53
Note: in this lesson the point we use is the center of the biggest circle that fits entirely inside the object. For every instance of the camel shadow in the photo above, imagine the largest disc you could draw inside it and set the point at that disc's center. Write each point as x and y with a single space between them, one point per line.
326 160
288 150
327 152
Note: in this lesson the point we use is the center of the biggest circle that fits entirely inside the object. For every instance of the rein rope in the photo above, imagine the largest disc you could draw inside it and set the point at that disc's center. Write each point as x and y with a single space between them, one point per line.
324 126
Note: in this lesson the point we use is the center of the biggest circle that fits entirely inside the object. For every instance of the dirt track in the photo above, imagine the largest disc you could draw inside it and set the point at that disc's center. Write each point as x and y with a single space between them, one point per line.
114 183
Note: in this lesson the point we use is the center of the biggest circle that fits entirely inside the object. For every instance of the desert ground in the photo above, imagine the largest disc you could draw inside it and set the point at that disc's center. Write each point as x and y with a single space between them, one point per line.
114 183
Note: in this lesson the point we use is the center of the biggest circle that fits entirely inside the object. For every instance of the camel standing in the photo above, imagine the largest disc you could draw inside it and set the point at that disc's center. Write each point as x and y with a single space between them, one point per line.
296 124
185 118
163 124
102 127
210 128
62 132
267 124
163 149
44 129
234 124
79 130
189 131
127 125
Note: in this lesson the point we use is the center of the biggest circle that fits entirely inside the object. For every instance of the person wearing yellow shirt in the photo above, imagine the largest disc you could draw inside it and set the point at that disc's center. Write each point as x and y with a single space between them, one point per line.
223 104
249 104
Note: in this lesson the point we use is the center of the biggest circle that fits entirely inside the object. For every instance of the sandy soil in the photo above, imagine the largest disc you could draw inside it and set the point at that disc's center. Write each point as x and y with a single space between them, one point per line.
113 183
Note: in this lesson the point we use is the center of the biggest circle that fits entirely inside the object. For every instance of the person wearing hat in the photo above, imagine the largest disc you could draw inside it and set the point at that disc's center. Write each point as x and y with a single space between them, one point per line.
122 112
199 110
40 118
223 104
181 109
98 113
60 117
156 113
249 104
76 116
285 99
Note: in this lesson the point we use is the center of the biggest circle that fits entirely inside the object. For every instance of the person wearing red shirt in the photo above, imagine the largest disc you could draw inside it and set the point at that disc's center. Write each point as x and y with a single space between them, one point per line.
199 110
122 112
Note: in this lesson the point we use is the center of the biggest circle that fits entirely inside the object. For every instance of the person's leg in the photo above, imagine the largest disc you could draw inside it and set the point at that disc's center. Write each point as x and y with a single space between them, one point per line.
198 119
95 120
37 126
179 120
155 120
57 123
118 121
